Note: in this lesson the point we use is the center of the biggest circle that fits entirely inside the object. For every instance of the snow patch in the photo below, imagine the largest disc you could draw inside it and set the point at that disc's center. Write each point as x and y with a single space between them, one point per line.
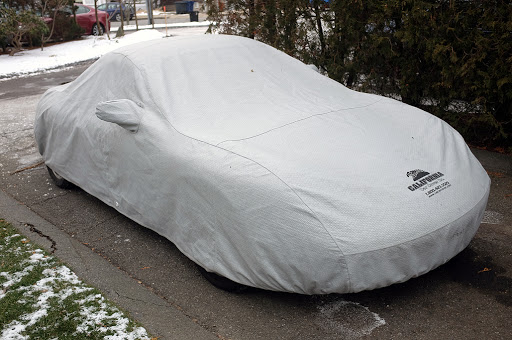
492 217
13 331
350 320
17 130
33 61
37 257
57 282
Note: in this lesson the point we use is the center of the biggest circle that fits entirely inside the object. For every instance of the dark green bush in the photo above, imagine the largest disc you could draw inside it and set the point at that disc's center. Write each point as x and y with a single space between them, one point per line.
65 27
21 23
451 58
17 27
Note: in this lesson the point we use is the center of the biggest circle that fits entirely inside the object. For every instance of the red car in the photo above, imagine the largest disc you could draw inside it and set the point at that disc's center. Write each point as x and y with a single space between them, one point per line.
86 19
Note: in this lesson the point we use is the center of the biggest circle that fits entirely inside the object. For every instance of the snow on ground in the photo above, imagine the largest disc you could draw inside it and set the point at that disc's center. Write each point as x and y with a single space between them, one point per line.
17 133
57 291
362 321
90 47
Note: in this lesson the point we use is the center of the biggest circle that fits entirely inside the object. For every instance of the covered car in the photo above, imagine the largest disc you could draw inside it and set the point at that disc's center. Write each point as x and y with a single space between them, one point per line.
262 170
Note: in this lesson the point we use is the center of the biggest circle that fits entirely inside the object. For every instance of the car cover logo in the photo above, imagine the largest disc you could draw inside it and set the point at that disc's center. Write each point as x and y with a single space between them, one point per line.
417 174
429 183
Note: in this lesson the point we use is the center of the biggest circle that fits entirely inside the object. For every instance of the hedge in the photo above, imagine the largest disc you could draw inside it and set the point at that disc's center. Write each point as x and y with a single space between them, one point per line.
451 58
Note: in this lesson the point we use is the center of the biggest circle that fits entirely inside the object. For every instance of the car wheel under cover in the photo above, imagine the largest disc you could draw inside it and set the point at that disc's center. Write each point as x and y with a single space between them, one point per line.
117 17
60 181
222 282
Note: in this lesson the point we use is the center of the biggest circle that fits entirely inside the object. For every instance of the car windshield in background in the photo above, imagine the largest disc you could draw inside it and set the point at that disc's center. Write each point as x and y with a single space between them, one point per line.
82 10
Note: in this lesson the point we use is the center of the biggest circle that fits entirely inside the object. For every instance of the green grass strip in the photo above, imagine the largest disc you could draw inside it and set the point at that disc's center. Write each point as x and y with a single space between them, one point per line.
41 298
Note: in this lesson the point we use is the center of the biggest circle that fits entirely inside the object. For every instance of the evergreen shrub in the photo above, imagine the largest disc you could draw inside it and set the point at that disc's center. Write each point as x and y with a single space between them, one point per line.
452 58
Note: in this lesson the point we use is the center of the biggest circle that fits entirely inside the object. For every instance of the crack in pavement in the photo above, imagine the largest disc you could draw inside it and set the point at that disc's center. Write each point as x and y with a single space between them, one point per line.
44 200
40 233
138 300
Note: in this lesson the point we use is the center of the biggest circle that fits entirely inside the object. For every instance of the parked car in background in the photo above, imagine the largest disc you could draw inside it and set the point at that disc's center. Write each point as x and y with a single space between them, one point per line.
114 10
86 18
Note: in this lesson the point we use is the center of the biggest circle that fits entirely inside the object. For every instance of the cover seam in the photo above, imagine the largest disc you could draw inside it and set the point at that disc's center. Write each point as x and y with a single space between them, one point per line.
299 120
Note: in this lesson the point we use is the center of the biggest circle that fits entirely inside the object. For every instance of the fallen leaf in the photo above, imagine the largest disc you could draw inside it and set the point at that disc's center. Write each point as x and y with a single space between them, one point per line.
496 174
485 270
499 149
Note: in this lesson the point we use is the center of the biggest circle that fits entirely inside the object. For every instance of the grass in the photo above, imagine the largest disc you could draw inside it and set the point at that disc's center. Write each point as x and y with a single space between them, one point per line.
41 298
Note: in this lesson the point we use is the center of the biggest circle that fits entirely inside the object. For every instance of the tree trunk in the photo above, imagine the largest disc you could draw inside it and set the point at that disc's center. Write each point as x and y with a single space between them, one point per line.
98 27
252 13
319 26
120 31
135 16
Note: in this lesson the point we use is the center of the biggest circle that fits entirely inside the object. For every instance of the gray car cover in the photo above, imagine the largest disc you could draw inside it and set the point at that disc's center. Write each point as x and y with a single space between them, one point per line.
262 170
